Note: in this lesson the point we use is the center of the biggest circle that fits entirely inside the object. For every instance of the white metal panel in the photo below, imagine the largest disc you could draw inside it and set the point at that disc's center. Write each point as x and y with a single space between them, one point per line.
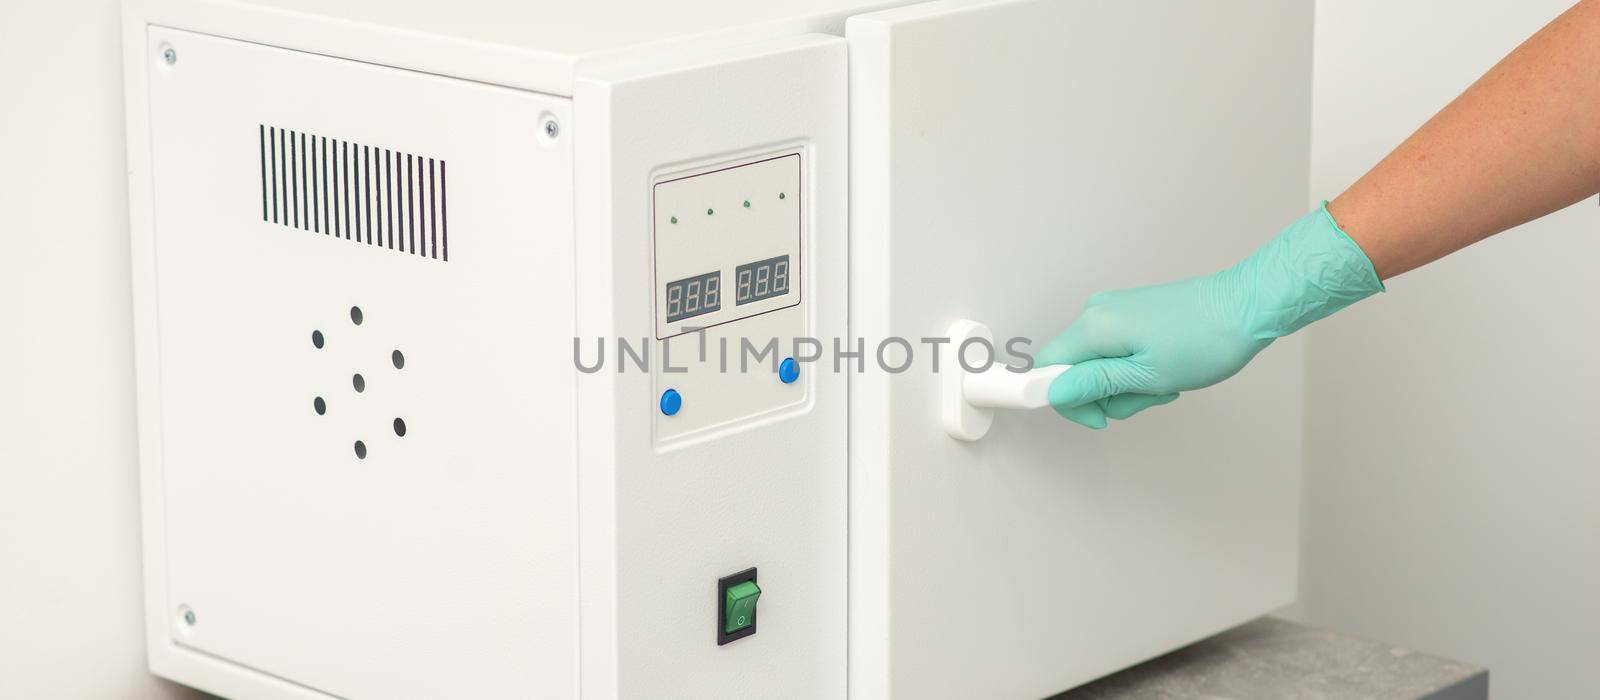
1009 159
442 564
530 45
662 522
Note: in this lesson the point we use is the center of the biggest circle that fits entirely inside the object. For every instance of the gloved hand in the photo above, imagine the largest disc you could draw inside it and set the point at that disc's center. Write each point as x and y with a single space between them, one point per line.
1137 348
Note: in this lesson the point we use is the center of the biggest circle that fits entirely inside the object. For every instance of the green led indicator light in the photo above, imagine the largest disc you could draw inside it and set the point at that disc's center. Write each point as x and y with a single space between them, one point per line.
709 212
674 219
780 195
747 204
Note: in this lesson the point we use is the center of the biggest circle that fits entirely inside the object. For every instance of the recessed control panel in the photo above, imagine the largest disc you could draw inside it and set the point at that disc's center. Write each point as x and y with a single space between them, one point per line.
731 272
727 244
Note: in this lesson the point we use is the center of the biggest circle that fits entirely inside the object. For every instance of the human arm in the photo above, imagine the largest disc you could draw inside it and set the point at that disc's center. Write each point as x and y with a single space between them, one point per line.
1521 142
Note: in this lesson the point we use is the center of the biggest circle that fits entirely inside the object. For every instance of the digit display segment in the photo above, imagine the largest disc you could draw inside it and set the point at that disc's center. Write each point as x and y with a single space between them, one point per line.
762 279
693 296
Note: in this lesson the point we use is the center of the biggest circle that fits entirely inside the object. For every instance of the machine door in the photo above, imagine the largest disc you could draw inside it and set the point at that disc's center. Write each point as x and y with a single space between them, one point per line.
1008 159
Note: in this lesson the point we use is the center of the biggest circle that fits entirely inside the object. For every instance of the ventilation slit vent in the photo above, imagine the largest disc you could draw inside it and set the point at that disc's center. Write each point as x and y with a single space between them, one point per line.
358 192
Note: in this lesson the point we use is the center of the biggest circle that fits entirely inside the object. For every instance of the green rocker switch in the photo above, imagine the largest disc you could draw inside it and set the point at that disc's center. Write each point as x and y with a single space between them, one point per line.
736 600
739 604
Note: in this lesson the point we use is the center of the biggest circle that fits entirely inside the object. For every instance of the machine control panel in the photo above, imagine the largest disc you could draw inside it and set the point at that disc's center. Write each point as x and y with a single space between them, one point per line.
727 244
730 268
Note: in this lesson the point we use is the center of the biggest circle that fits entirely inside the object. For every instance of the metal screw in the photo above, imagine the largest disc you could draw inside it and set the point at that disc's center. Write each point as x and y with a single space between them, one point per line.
169 55
188 617
551 128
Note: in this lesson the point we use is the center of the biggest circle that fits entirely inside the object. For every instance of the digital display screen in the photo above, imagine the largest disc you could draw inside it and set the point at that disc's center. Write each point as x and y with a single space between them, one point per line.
762 279
690 297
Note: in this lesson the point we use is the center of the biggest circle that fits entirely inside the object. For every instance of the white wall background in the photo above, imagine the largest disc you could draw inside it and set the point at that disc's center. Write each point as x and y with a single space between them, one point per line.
70 597
1453 479
1453 489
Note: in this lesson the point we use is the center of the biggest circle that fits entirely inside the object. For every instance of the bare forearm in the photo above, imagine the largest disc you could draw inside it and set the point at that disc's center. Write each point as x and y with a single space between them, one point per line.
1522 142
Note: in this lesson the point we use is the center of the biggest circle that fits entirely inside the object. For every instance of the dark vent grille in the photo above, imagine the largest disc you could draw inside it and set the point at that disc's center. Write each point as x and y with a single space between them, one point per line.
354 191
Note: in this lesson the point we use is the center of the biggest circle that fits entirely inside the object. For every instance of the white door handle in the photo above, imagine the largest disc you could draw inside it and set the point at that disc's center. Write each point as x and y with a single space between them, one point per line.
1001 387
970 398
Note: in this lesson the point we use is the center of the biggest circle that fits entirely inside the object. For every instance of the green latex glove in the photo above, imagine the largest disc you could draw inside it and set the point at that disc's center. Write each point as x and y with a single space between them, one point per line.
1137 348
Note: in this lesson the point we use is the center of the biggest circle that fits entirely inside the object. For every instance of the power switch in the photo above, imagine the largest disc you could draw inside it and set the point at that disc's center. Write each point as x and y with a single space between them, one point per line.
740 604
736 606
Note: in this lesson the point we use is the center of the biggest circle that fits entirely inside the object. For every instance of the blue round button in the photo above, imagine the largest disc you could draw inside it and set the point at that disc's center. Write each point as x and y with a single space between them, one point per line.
789 370
671 401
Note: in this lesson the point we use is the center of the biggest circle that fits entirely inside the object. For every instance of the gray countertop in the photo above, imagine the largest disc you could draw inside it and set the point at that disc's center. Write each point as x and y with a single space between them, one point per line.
1274 659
